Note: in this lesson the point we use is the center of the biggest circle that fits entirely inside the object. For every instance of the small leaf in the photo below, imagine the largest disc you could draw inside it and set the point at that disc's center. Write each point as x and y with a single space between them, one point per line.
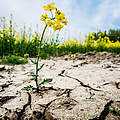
32 61
32 73
28 87
47 80
39 82
41 67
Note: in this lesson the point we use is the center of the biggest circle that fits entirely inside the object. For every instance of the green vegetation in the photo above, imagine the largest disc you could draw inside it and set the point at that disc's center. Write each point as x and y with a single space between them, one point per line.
20 42
114 35
13 60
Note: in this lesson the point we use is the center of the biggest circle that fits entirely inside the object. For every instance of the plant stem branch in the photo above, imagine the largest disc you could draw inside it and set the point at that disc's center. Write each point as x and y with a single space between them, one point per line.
38 57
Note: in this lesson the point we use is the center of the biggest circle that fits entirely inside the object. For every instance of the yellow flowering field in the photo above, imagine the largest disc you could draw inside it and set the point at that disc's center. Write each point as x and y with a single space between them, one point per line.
20 42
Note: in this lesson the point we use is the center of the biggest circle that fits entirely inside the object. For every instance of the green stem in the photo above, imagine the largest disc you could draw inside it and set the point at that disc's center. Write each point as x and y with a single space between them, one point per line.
51 14
43 33
38 57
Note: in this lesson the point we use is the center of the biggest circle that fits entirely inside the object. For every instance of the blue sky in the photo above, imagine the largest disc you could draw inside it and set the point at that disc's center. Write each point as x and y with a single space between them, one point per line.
83 15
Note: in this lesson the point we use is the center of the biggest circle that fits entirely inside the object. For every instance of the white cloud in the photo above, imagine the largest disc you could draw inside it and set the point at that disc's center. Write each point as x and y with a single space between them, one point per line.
82 15
106 13
102 16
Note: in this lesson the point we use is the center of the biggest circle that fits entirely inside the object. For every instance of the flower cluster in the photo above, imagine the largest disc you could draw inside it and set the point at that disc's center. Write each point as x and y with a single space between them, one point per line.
57 20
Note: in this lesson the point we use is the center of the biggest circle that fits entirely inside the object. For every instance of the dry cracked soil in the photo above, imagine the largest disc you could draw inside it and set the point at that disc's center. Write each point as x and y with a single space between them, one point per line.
84 87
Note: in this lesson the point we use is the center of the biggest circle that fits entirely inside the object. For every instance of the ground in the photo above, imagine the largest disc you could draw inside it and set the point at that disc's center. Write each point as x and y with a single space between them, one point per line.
84 87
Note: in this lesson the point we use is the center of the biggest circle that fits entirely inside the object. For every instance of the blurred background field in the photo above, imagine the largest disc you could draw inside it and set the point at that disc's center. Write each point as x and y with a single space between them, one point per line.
21 41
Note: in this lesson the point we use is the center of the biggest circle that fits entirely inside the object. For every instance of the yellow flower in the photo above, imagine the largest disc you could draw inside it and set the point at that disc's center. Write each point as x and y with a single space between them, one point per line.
26 55
58 26
92 33
65 22
57 21
33 41
52 45
49 7
93 37
73 55
106 38
55 28
49 23
103 33
99 35
16 41
60 17
44 17
57 12
8 40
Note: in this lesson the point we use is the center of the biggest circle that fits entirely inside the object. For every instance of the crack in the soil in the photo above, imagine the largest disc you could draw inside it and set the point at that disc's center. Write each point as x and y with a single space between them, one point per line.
20 114
117 85
4 99
105 112
81 83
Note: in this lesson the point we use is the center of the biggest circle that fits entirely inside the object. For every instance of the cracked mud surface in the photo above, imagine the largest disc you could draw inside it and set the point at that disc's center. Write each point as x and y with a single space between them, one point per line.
82 89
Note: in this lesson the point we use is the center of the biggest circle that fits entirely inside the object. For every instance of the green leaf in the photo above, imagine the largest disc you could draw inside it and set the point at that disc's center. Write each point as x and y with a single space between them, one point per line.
39 82
47 80
32 61
41 67
32 73
28 87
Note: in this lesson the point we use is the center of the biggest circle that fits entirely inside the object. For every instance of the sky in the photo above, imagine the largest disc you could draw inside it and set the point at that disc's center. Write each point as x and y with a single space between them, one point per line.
83 16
